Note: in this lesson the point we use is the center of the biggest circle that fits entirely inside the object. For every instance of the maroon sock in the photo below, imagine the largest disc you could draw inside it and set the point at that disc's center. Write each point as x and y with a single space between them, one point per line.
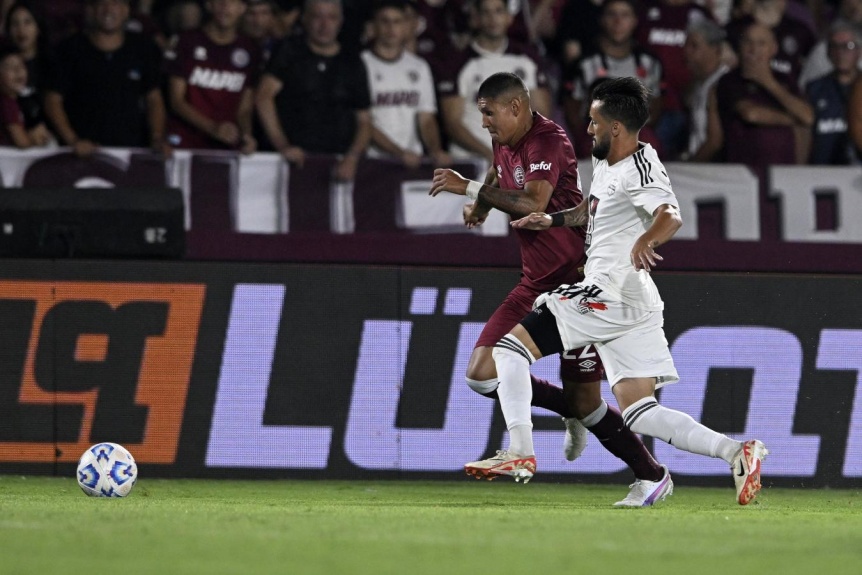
550 397
622 442
545 395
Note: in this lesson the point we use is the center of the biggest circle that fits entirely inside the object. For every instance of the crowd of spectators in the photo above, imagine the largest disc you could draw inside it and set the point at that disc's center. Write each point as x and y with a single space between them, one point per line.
758 82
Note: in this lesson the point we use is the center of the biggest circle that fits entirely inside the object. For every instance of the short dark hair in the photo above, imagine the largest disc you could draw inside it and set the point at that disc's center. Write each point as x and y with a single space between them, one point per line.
380 5
625 100
501 84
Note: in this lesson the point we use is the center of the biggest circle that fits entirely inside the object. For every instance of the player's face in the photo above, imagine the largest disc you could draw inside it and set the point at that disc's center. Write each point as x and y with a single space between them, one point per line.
599 128
499 119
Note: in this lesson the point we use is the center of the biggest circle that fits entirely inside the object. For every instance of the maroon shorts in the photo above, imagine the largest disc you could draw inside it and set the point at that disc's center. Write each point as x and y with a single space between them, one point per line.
578 365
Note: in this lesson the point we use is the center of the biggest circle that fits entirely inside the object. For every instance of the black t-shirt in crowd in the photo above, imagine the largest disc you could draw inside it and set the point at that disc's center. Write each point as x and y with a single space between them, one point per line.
320 96
104 92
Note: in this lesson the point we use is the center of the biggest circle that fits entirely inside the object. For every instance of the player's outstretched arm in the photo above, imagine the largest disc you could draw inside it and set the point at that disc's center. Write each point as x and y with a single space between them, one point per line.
573 217
536 221
517 203
666 223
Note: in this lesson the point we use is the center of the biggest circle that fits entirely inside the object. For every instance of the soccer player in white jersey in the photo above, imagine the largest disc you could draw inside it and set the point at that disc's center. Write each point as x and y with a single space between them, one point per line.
630 211
403 104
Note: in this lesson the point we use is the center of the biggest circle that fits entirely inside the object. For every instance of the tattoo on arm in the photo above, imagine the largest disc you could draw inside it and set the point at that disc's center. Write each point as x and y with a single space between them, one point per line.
512 202
575 218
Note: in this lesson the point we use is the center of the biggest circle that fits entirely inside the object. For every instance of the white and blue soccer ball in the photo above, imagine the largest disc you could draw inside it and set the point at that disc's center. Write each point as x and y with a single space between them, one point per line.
107 470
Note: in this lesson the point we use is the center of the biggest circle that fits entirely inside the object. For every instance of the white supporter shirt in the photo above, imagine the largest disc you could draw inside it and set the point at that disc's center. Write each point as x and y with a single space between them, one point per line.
698 105
400 89
622 200
476 71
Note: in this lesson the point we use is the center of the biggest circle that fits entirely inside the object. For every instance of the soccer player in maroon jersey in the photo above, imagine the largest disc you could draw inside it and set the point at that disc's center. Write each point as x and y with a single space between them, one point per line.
535 168
212 73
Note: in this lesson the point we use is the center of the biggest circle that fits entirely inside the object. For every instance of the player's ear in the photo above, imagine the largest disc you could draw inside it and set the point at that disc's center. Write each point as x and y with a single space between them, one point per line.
515 106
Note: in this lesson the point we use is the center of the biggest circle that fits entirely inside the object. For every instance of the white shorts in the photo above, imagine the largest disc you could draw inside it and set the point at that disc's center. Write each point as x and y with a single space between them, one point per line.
630 341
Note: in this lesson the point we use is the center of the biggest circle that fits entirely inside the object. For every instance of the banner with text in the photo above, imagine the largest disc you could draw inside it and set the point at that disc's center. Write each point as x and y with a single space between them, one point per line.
222 370
257 207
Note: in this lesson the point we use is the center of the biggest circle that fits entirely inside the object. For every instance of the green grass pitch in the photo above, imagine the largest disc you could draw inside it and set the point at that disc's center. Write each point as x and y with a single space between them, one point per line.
48 526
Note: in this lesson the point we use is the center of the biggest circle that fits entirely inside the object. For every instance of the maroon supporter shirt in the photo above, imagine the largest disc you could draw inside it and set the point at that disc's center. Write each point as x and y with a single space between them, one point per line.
549 258
795 42
661 31
215 76
750 144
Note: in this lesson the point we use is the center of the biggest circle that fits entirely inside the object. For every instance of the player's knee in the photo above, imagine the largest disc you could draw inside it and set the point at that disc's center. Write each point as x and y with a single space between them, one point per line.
481 365
483 387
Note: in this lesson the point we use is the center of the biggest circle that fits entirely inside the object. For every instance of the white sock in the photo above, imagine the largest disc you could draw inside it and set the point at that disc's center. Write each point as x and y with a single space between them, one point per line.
515 392
483 387
595 416
678 429
521 440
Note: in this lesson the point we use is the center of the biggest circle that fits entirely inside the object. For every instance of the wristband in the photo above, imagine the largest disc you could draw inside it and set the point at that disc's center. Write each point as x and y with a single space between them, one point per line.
558 219
473 188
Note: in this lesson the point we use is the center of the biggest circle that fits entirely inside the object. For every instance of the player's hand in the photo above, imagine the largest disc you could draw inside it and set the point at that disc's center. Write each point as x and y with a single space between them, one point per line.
446 180
535 221
472 217
643 256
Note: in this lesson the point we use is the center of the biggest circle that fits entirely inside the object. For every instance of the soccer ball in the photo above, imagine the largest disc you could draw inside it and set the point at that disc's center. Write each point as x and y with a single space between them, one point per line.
107 470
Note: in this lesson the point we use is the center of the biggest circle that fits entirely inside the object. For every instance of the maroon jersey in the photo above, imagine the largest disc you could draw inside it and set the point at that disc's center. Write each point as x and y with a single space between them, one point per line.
548 258
215 76
661 31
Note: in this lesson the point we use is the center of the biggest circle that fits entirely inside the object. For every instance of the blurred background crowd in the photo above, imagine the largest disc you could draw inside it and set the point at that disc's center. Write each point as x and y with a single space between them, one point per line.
757 82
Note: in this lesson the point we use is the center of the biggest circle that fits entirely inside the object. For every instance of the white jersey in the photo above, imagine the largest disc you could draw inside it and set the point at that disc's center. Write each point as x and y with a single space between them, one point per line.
400 89
622 200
